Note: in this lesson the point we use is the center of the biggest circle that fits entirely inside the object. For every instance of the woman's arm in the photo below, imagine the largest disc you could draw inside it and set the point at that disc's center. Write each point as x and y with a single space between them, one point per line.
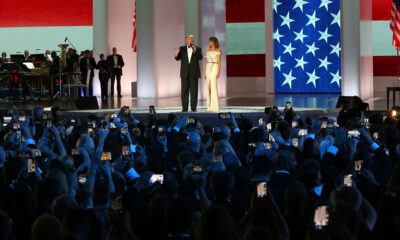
219 64
205 69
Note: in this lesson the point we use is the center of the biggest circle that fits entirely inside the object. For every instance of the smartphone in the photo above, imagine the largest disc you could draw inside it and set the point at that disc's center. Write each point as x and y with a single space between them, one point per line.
197 169
82 178
321 217
353 134
74 151
262 189
269 126
224 115
44 116
19 135
152 111
125 150
295 142
271 138
252 145
348 180
358 165
16 126
260 121
37 152
387 151
21 118
72 120
105 126
157 178
90 132
324 124
303 132
124 130
112 125
294 124
114 116
288 105
191 120
116 204
268 145
48 123
161 132
375 136
106 156
31 165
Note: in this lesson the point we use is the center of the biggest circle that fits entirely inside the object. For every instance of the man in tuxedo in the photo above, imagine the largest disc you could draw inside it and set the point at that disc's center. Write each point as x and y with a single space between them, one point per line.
72 58
189 55
87 65
27 58
102 65
115 63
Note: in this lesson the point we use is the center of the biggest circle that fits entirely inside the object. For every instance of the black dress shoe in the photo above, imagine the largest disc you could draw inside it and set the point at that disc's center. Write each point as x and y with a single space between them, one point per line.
194 110
184 110
119 96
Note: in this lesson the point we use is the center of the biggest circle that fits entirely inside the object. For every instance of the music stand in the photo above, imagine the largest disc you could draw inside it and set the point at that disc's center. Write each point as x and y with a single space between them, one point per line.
17 57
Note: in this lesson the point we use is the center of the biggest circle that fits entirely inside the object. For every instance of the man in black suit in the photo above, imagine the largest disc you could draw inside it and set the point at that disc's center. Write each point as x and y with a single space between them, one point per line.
27 58
115 63
87 65
102 65
189 55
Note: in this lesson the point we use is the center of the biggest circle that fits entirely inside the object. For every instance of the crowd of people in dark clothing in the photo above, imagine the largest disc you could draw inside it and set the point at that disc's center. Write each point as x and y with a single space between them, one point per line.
116 177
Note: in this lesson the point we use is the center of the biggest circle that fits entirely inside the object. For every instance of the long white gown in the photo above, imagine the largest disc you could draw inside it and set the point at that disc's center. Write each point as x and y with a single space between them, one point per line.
211 74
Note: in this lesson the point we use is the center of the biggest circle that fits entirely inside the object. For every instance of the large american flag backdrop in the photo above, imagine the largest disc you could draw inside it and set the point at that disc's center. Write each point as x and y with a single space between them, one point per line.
307 46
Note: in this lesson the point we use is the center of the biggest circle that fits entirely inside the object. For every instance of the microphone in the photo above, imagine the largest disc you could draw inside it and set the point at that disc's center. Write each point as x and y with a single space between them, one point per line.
66 38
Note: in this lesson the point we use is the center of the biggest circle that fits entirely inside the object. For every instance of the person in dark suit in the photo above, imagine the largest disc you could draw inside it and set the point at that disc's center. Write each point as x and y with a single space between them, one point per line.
102 65
4 58
87 65
72 58
115 63
27 58
189 55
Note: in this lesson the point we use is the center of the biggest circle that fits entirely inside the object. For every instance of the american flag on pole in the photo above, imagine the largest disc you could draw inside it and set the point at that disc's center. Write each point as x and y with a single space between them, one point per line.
395 23
134 43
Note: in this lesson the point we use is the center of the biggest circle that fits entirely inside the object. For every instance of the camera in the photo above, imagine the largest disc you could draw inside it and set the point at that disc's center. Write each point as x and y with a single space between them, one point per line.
224 115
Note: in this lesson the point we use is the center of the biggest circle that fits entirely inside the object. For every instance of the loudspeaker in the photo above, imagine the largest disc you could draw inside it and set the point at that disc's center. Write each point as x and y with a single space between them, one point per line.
86 103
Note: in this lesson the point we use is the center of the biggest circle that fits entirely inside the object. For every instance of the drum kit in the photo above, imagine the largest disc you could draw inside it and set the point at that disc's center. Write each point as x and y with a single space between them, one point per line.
23 78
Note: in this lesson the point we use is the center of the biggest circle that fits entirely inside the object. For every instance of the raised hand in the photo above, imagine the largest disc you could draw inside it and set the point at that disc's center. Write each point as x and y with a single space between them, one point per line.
176 51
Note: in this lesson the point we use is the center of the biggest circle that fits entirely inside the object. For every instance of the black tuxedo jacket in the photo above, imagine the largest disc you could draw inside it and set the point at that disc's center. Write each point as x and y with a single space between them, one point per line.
83 67
192 69
110 60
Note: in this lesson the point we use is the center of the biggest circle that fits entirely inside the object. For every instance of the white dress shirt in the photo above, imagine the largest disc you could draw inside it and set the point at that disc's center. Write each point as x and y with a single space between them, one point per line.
190 53
115 59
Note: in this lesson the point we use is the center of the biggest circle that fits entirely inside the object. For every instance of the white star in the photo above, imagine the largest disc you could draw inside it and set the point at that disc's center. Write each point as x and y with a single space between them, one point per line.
288 49
312 19
277 36
335 49
311 49
286 20
300 36
336 18
278 63
336 78
324 35
325 3
324 63
275 5
299 4
300 63
312 78
288 79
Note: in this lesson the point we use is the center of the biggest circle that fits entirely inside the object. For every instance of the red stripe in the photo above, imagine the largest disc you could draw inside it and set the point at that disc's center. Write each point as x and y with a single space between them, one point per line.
381 10
245 65
245 11
44 13
385 65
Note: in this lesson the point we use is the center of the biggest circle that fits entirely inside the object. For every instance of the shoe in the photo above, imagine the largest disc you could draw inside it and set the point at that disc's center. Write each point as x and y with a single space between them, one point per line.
194 110
184 110
119 96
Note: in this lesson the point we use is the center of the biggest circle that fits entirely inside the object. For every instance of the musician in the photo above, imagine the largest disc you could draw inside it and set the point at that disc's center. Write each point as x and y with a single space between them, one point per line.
72 58
54 70
102 65
115 63
4 58
87 65
27 58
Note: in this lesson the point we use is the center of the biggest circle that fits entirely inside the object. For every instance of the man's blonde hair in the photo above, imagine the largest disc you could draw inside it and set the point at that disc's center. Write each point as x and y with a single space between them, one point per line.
189 36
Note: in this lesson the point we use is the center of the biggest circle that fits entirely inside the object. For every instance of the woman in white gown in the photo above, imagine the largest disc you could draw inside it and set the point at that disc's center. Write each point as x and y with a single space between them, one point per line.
213 67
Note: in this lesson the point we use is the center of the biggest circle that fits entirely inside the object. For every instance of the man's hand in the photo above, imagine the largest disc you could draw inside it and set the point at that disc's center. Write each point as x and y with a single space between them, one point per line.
176 51
194 48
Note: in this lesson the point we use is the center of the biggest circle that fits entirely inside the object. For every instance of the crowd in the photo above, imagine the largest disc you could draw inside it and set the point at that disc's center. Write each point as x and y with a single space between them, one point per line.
118 178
